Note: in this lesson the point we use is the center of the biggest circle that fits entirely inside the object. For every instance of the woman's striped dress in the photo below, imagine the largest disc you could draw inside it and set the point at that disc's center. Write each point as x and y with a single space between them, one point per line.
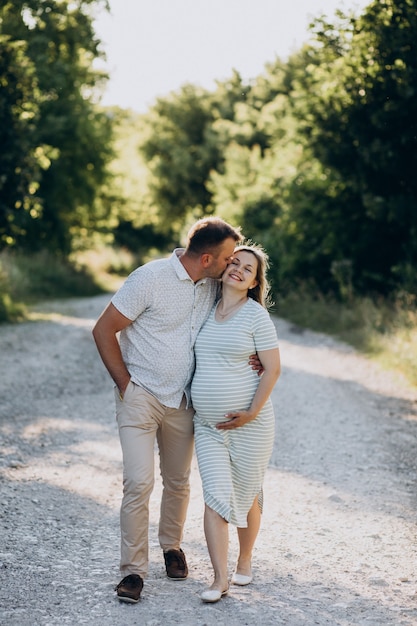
232 463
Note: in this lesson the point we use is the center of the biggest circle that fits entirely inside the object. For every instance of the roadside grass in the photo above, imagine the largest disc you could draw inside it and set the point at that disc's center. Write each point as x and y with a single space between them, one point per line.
26 279
108 266
384 330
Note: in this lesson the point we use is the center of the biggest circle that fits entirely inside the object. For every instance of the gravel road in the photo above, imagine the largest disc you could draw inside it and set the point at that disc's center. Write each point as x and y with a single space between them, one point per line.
338 539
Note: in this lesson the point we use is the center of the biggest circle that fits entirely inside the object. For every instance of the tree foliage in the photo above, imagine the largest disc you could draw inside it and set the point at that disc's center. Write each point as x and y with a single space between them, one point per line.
360 121
315 158
20 155
58 141
178 153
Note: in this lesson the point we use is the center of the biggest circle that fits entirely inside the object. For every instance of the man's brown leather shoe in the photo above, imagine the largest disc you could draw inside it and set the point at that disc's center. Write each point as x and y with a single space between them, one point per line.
129 589
175 564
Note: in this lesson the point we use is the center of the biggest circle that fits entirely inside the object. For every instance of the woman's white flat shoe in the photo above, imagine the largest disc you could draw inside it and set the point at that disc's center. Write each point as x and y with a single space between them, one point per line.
240 579
212 595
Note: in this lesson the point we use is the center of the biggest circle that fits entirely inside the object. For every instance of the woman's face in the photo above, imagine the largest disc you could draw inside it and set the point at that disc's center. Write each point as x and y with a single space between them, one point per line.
241 273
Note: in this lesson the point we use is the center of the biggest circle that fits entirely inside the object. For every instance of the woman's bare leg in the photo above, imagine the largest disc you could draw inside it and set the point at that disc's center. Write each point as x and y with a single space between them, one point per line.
216 530
247 537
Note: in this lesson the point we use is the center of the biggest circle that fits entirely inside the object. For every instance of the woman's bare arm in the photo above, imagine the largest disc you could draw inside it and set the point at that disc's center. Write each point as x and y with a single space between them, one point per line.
271 362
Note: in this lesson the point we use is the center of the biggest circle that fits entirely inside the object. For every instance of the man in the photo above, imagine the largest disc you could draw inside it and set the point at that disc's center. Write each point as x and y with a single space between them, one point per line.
159 311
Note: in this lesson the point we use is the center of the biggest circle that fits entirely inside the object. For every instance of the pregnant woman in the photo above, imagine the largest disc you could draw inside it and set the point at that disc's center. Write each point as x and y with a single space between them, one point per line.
234 418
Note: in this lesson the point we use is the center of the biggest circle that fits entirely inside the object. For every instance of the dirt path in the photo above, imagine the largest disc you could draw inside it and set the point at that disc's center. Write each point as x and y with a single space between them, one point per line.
338 539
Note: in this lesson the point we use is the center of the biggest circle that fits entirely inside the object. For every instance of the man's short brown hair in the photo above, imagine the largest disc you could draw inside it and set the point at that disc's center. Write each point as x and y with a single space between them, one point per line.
208 233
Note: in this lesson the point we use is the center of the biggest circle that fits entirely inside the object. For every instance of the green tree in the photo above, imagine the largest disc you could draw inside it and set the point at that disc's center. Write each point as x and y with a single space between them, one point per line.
135 221
19 154
261 157
360 119
71 135
179 155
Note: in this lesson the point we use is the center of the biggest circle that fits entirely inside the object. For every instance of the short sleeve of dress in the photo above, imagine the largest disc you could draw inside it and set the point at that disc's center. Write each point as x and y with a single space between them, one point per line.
264 331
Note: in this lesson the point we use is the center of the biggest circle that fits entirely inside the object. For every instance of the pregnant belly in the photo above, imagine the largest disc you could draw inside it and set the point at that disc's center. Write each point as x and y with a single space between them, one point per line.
212 399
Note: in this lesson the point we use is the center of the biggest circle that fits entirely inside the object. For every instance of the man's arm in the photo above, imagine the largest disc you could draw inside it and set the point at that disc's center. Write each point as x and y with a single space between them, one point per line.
110 322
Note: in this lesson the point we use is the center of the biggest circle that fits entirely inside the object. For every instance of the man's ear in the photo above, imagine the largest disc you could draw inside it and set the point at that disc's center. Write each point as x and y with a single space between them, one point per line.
206 259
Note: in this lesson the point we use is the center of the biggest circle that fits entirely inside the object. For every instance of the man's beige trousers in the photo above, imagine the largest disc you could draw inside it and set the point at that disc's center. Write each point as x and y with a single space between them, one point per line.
142 419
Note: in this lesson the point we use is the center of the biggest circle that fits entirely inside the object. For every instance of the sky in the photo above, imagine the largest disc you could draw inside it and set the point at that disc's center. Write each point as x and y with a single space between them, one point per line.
154 47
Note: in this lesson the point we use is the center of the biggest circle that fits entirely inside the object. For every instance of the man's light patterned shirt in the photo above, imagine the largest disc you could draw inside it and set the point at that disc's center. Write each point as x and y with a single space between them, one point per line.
167 310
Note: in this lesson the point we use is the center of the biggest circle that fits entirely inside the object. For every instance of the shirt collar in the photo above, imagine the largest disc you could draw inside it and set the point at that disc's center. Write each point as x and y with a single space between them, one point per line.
180 270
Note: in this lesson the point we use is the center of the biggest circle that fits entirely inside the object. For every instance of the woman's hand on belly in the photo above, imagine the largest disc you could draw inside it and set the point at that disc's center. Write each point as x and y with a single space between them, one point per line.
235 419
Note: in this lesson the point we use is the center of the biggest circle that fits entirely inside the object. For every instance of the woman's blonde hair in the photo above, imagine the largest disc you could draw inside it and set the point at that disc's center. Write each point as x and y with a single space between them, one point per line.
260 293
